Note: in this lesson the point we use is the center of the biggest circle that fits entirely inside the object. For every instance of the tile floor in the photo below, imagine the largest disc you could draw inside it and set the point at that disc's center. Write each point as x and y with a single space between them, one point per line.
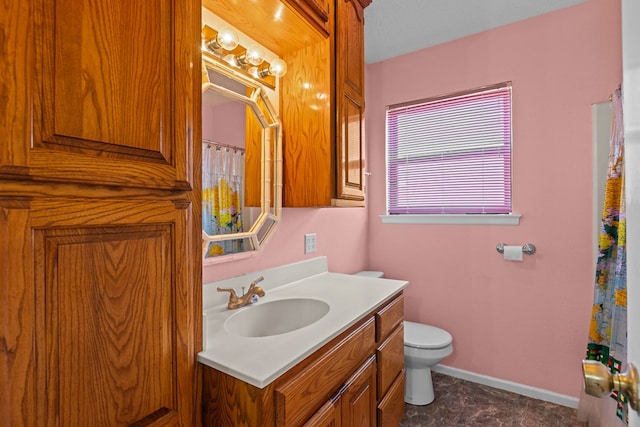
462 403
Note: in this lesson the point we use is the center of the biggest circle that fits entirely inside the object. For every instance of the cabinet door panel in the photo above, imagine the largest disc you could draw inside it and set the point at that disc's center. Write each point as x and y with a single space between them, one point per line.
114 314
390 360
112 92
358 400
351 150
391 408
327 416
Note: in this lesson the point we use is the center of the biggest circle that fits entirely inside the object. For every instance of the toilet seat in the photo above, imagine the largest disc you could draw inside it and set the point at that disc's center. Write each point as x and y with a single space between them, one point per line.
418 335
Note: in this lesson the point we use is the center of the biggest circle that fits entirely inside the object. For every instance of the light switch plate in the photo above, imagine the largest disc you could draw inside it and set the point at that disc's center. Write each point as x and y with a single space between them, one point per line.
309 243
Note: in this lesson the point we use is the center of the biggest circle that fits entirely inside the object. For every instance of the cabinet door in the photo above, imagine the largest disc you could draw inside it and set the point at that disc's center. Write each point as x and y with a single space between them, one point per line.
327 416
114 313
100 92
358 400
350 100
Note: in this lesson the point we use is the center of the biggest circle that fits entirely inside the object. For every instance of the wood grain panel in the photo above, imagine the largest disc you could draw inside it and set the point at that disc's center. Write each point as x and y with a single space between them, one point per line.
17 349
109 325
277 25
229 402
297 399
390 360
308 147
115 313
111 76
16 52
111 90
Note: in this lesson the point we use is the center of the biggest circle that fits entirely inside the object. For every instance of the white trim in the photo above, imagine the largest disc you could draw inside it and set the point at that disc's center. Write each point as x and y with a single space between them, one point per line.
465 219
525 390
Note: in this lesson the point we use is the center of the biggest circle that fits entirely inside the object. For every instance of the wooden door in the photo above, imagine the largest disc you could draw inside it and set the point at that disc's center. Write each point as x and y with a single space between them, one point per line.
100 269
350 100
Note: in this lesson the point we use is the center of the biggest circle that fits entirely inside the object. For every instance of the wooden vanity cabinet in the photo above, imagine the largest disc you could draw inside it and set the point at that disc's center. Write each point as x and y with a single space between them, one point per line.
99 213
356 379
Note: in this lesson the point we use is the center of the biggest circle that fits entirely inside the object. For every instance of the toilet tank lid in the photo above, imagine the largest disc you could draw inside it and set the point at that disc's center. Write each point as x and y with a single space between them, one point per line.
419 335
376 274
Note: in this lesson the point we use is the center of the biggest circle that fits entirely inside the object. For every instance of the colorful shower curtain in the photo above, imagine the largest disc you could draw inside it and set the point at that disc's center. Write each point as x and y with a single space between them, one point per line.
222 195
608 330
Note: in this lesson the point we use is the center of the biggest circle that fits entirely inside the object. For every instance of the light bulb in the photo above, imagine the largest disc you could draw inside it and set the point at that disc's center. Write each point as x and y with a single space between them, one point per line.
254 55
278 67
227 38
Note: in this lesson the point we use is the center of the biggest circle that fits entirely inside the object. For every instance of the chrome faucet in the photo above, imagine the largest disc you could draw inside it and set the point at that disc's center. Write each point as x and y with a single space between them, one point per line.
250 297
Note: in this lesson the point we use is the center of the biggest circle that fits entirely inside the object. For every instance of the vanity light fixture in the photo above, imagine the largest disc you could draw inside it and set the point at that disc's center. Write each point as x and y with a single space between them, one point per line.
223 46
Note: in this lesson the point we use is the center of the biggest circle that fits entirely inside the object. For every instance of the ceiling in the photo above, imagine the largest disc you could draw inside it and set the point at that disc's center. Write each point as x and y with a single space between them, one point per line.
396 27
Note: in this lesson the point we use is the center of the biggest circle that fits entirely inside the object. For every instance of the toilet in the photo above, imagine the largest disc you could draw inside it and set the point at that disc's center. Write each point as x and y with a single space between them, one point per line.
424 347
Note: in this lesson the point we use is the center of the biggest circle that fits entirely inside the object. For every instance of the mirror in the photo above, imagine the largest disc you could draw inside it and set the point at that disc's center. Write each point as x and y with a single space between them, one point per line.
242 162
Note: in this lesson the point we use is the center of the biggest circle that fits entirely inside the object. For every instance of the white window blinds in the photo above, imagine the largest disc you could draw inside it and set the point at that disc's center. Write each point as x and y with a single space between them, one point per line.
451 154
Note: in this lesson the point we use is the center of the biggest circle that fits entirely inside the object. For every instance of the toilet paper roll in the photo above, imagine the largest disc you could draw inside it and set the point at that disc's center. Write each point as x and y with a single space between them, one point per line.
513 253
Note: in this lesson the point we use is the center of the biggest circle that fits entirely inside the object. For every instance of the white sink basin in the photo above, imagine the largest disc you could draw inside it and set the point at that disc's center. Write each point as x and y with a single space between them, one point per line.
276 317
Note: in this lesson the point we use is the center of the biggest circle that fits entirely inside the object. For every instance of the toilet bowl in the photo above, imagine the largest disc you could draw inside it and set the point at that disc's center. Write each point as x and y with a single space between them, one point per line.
424 347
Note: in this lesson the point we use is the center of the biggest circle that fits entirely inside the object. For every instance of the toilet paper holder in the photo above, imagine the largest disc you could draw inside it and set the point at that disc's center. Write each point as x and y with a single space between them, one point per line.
527 248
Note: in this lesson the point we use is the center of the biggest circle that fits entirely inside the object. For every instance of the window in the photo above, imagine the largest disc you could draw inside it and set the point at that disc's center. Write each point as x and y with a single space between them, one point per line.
451 155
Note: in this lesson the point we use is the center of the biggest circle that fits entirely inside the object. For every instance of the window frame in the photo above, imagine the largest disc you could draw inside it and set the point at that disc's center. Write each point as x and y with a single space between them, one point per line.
507 218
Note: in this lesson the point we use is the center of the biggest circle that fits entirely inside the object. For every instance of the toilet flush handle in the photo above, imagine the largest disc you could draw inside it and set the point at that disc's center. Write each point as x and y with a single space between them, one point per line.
599 382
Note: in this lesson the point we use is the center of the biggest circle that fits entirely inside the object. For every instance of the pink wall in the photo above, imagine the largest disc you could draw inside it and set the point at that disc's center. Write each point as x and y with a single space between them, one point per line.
341 236
523 322
224 123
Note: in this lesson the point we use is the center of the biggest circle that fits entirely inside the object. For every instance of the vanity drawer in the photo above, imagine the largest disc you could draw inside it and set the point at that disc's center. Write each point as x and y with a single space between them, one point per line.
389 317
390 360
298 398
391 408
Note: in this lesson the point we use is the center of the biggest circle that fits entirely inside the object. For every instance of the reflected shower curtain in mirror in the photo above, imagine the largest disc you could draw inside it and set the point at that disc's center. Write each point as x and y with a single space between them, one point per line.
608 329
222 195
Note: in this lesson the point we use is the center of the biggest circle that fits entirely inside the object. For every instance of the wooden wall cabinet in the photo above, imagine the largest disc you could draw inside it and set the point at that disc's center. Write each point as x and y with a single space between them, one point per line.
323 118
351 381
100 213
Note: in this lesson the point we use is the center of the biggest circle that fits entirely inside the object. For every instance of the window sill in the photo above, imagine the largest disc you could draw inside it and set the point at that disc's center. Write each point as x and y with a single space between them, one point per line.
461 219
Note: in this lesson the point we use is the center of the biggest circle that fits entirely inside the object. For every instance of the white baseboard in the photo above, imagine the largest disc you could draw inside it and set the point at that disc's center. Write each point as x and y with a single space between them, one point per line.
525 390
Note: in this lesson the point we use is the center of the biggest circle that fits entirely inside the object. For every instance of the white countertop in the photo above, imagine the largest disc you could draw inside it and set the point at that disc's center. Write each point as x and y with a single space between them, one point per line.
260 360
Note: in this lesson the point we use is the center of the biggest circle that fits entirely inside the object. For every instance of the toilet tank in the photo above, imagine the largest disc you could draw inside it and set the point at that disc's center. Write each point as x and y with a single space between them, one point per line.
366 273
